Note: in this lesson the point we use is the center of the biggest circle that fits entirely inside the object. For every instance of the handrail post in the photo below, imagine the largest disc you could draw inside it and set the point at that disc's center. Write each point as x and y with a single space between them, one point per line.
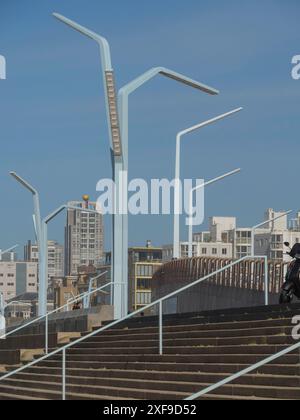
46 335
64 375
266 281
161 352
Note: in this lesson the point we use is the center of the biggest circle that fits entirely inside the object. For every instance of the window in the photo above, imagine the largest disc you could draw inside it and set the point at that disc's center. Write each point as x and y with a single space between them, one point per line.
224 251
143 298
214 251
145 270
143 284
204 251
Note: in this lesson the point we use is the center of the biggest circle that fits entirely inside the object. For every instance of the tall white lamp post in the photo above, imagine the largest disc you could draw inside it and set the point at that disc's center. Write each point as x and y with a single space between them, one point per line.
205 184
176 239
41 229
119 152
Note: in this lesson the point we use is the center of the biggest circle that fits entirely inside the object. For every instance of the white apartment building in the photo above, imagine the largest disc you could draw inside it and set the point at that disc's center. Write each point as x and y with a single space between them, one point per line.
200 249
84 237
272 243
55 257
17 277
225 240
268 240
279 224
241 239
220 227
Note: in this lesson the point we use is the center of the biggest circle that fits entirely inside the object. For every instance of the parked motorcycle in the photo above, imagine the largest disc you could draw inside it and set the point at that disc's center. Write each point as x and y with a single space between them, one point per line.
291 287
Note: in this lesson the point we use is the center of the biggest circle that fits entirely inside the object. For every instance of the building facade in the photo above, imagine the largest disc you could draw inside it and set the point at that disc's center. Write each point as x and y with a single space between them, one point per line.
200 249
18 277
55 257
143 263
84 237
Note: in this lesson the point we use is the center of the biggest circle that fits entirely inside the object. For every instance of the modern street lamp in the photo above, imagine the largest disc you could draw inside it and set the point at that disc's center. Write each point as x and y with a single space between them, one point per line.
253 229
41 230
119 151
37 224
205 184
121 247
176 240
114 133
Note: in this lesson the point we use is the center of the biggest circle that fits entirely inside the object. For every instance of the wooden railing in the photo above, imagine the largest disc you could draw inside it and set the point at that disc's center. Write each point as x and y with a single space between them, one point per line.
247 274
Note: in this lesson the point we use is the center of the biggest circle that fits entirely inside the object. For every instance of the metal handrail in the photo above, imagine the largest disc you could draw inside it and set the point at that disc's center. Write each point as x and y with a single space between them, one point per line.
79 297
117 322
244 372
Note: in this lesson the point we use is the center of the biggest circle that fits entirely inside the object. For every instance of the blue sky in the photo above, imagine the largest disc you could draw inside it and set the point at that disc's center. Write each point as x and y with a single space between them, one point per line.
52 114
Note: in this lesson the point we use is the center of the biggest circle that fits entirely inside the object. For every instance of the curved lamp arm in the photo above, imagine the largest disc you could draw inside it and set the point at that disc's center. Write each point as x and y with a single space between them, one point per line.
150 74
56 212
36 203
23 182
103 43
109 83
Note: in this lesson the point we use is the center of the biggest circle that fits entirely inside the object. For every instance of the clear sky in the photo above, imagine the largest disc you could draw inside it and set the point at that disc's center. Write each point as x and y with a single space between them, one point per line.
52 115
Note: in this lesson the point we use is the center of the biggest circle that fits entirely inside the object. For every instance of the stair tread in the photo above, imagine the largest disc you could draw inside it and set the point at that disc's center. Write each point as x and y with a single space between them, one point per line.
199 349
225 375
204 384
183 394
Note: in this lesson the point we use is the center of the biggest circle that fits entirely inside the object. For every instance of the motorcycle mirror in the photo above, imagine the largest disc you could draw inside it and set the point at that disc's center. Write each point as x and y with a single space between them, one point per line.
287 244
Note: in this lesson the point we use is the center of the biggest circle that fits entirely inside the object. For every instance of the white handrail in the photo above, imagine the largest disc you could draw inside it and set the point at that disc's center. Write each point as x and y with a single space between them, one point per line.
117 322
244 372
79 297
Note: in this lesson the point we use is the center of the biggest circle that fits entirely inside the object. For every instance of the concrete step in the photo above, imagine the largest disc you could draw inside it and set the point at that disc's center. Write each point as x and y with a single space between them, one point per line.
20 393
218 317
197 325
193 350
25 342
95 377
10 357
102 392
158 390
188 342
290 359
199 349
178 368
197 331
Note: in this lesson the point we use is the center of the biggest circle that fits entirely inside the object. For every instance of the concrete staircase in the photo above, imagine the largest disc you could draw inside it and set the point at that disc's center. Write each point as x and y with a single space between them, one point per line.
199 350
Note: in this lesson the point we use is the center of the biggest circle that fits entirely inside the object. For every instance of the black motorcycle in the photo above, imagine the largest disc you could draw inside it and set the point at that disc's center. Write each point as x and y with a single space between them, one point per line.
291 287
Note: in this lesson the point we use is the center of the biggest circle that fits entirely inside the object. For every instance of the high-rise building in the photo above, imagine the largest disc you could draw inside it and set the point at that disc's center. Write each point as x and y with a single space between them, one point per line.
84 237
55 257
